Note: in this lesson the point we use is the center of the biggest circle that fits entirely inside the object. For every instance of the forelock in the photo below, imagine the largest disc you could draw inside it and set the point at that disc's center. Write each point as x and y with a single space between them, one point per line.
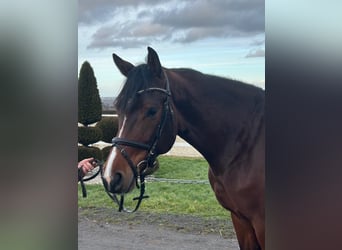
137 79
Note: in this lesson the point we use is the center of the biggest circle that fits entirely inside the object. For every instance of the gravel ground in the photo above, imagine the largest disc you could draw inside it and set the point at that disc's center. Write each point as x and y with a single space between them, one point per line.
109 229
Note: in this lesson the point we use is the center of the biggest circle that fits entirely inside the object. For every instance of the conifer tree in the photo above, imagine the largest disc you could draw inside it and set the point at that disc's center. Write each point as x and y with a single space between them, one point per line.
89 102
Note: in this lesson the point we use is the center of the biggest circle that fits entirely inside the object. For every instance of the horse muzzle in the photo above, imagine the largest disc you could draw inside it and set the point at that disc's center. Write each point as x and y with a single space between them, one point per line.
118 183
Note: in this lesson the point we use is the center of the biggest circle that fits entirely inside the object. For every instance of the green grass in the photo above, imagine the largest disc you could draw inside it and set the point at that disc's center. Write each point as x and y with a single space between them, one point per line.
192 199
173 167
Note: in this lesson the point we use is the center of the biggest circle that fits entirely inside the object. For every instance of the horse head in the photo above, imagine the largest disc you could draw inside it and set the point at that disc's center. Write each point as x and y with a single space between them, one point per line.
147 126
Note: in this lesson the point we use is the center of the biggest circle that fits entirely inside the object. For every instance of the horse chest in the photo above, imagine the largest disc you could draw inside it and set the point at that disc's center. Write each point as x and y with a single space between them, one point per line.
231 192
224 197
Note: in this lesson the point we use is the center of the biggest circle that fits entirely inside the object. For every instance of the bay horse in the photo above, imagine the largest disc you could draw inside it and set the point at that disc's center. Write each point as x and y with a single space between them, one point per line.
222 118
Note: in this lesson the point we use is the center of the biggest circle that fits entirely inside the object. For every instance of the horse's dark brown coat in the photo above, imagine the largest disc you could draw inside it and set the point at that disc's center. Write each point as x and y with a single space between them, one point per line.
222 118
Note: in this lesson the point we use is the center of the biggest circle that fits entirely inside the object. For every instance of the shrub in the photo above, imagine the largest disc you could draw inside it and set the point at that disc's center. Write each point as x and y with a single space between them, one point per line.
89 135
109 128
109 112
87 152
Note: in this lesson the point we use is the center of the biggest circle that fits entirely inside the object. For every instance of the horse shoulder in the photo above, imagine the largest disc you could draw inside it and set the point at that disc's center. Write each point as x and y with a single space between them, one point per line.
240 186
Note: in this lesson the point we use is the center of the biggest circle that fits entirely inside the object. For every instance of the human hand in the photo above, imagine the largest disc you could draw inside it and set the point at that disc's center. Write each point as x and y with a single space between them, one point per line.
86 165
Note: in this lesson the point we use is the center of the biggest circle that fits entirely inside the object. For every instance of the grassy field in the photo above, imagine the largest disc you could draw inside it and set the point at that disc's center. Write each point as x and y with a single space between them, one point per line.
166 198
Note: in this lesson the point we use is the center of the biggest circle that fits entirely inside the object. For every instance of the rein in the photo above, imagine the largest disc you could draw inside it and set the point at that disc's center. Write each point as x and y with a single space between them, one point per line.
82 180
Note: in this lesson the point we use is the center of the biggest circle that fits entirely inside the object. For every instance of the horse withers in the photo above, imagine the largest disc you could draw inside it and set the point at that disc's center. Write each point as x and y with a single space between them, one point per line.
222 118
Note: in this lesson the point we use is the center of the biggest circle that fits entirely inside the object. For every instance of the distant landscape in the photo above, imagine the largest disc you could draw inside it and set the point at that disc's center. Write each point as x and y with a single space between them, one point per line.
108 103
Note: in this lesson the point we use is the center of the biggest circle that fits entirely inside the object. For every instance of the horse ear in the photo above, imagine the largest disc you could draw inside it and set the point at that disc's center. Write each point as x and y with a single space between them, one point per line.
122 65
153 62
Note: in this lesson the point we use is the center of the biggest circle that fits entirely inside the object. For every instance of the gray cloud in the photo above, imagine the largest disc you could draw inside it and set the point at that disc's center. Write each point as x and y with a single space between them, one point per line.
245 16
96 11
183 22
129 35
125 43
256 53
91 12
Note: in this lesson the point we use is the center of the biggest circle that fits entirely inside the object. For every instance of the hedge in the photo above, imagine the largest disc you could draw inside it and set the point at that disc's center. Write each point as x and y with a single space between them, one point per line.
87 152
89 135
109 128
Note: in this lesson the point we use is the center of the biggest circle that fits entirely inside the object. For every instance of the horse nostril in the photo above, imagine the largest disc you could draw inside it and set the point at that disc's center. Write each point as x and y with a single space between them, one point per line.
117 178
116 182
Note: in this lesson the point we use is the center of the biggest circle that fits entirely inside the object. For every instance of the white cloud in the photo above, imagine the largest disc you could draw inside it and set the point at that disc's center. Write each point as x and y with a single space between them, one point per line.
256 53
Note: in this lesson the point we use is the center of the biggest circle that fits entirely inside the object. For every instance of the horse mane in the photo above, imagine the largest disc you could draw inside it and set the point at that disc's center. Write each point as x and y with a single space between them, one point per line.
131 86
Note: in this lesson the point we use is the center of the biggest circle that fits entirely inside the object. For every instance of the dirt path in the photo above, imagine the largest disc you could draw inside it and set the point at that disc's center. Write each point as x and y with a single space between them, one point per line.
107 229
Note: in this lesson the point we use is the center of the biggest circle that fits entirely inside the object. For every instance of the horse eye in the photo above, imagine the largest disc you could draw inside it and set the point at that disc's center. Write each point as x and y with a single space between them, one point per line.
151 112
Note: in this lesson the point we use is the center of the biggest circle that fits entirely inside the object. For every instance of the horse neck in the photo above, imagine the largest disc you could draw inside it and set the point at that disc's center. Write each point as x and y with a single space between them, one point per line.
215 115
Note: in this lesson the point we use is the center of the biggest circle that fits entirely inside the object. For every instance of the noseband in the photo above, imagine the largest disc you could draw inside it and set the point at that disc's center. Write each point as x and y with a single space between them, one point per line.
149 162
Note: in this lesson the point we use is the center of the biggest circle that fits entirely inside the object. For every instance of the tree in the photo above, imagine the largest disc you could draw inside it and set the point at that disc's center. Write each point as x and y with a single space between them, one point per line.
89 102
89 111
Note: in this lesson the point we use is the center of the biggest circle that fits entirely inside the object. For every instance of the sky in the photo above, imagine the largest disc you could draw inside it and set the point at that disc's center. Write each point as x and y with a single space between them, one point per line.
219 37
